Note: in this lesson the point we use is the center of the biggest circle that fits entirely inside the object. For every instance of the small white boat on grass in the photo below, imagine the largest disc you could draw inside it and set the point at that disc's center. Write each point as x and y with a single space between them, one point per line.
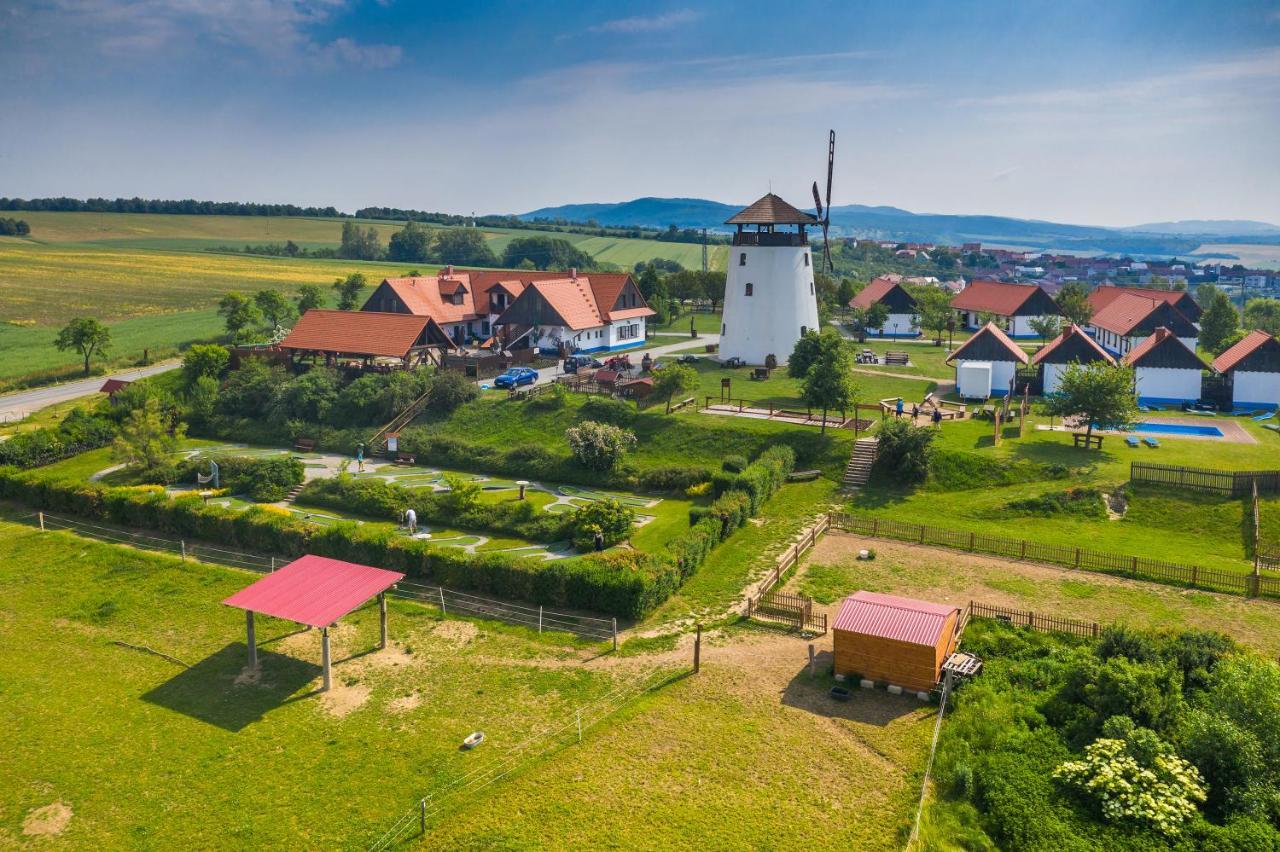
473 740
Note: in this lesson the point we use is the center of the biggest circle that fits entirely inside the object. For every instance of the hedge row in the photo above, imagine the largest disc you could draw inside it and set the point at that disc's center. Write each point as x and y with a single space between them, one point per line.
627 584
760 478
79 431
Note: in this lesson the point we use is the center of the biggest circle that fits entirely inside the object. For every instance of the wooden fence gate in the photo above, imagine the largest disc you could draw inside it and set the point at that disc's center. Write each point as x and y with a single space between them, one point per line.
791 609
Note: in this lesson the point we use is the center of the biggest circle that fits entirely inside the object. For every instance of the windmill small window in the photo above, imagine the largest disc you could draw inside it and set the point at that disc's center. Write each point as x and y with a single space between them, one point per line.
742 259
806 258
750 288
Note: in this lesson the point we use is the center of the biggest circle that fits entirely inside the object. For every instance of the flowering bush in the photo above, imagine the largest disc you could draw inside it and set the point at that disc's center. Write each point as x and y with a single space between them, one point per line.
598 446
1156 788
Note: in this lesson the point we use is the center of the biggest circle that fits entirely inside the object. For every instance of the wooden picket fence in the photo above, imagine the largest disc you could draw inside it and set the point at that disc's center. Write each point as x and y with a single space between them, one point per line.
1232 483
1134 567
1034 620
795 610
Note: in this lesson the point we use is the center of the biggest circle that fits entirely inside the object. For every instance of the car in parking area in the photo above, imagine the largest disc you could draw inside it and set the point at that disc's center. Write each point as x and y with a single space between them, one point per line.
515 377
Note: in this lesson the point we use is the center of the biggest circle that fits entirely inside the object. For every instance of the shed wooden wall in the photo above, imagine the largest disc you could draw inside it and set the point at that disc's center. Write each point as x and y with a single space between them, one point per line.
905 664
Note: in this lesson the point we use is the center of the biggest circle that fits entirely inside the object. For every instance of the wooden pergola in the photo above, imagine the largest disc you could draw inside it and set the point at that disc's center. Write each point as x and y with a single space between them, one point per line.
315 591
368 336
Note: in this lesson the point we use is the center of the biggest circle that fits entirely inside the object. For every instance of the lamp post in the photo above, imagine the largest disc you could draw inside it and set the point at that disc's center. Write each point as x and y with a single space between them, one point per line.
951 328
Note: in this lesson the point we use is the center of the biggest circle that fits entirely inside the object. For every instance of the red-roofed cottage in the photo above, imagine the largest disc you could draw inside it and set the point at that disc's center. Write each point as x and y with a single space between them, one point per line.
1252 371
1014 305
1165 371
901 641
1125 320
887 290
1072 346
987 363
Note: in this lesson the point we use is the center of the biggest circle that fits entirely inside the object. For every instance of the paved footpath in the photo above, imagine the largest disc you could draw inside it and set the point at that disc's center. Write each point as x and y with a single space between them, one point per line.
15 406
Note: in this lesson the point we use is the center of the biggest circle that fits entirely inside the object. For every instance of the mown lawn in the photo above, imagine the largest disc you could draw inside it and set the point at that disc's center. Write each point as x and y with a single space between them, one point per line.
145 753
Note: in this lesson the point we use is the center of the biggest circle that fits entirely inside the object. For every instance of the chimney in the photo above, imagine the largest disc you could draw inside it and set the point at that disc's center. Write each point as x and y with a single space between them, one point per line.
448 270
573 273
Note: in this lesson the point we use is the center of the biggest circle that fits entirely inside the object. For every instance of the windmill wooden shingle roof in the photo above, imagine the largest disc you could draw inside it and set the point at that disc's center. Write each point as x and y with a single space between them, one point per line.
771 210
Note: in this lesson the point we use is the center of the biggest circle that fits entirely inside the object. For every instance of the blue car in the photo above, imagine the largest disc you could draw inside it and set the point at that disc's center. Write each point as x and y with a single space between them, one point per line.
515 377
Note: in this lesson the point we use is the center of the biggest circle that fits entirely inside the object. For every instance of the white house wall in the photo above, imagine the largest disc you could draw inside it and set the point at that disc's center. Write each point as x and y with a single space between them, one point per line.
1258 390
1167 385
782 302
898 325
1052 377
1017 327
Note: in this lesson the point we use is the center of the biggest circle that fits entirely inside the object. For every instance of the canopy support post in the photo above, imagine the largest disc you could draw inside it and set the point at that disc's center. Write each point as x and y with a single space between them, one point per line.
382 619
251 639
324 655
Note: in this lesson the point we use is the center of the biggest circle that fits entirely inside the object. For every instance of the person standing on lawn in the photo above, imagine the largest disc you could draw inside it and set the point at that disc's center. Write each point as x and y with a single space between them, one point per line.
411 520
360 457
897 409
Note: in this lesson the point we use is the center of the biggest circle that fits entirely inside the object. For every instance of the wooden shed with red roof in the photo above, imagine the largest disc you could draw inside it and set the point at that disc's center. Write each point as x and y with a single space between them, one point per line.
1015 305
1072 346
1251 369
1165 371
887 290
987 363
894 640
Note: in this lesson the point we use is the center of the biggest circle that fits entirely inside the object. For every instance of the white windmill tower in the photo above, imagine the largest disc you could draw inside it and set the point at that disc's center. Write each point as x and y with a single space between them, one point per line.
769 299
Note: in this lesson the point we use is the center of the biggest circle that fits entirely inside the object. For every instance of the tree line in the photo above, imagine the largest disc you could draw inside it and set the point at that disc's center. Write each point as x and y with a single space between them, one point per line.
415 243
14 227
187 206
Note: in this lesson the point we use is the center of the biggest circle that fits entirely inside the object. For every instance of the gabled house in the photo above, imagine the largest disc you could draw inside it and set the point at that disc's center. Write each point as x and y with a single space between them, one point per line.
467 304
1166 372
600 312
1014 306
1104 294
987 363
887 290
1252 371
1072 346
1130 318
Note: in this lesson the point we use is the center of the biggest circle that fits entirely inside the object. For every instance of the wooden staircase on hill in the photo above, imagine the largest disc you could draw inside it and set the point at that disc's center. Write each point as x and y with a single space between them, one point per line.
378 443
293 494
858 470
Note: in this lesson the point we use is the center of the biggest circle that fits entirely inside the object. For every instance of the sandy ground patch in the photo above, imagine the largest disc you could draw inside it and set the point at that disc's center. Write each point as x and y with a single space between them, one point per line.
404 703
49 821
456 632
342 699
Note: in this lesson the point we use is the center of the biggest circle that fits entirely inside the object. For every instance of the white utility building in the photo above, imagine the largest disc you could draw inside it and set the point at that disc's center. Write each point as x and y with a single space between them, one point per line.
987 363
769 299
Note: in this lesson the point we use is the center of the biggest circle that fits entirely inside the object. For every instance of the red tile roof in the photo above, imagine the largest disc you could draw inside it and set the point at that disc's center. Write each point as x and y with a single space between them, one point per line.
771 210
1122 313
1105 294
314 590
874 291
110 386
1250 343
890 617
993 297
1068 333
994 331
631 313
357 332
1161 336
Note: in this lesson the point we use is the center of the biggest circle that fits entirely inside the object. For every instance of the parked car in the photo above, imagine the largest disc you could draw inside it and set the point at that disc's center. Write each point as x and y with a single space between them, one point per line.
576 362
515 377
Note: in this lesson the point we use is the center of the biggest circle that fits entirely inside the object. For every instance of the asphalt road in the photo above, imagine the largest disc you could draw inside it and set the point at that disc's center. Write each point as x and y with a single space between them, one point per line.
548 374
15 406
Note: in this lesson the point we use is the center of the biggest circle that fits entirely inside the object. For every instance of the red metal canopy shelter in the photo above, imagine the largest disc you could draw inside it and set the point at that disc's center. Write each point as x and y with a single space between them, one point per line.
316 591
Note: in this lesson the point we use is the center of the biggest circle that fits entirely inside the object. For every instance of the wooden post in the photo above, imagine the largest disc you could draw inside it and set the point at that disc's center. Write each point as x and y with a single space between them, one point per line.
41 521
813 661
615 634
973 541
697 649
251 639
422 816
324 656
539 619
182 544
441 588
382 620
579 725
1077 557
273 565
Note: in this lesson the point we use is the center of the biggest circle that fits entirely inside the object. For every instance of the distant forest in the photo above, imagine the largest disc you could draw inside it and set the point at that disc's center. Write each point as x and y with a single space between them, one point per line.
187 206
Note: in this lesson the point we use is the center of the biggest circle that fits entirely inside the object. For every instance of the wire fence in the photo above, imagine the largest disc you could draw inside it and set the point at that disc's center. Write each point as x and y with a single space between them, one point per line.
447 600
558 734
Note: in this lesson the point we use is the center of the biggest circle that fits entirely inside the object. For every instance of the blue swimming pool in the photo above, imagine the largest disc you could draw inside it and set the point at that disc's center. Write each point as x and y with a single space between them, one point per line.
1178 429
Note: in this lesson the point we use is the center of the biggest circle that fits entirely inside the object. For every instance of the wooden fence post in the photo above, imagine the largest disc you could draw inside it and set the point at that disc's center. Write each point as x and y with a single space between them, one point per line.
973 541
1024 549
422 816
697 649
41 521
441 589
1077 557
615 634
922 533
1135 567
183 545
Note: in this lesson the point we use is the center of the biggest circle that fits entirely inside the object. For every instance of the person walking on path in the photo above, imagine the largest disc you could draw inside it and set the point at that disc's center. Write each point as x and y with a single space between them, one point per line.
937 417
897 409
411 520
360 457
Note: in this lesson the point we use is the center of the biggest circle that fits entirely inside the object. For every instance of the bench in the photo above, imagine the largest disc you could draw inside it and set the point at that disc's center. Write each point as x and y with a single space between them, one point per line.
760 374
896 359
803 475
305 445
405 459
1082 440
683 403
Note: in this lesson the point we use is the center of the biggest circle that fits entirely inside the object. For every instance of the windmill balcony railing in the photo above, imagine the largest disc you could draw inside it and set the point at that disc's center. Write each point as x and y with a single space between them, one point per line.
766 239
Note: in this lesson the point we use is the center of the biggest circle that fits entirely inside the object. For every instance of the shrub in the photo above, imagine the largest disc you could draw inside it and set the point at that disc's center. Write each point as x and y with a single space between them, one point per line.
598 446
79 431
733 464
672 478
264 480
610 518
551 399
449 390
204 361
1080 502
602 409
904 450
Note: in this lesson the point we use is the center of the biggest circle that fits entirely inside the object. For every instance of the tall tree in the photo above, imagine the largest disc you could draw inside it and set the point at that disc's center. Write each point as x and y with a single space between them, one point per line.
1263 314
309 297
1073 301
829 382
1046 326
240 314
1219 324
844 293
411 243
84 335
275 308
713 284
1098 394
934 312
671 381
546 253
349 290
465 247
146 441
360 243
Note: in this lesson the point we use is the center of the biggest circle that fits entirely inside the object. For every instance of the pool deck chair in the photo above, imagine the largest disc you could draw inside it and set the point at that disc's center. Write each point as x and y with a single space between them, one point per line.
1152 443
1266 416
1132 441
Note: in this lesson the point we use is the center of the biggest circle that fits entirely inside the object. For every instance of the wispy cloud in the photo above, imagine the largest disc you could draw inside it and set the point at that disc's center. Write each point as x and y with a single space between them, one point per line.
648 23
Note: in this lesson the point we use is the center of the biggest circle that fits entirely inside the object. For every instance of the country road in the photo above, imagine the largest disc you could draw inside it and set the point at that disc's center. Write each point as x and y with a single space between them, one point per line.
15 406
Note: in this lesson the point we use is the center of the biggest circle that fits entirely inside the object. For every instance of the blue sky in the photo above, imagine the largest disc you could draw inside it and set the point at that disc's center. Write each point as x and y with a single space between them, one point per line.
1108 113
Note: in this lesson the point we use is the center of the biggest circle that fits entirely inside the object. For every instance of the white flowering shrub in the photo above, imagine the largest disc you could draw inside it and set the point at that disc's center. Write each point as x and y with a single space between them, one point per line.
1160 791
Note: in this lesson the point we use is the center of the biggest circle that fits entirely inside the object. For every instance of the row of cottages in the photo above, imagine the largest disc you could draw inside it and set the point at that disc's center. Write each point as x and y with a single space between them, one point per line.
1165 370
1072 346
1123 317
1014 306
514 309
887 290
